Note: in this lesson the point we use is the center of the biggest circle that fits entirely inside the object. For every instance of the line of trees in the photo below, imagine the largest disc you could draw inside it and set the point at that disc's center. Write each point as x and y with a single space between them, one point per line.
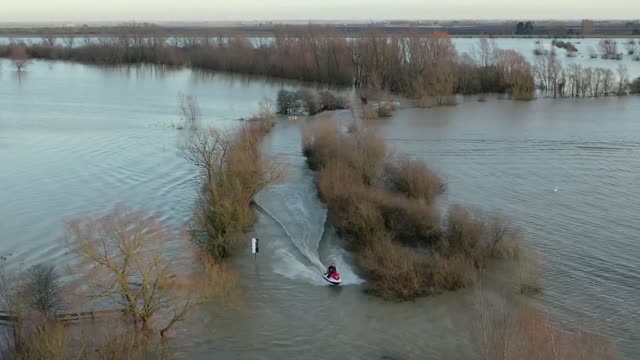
558 81
426 67
413 64
429 68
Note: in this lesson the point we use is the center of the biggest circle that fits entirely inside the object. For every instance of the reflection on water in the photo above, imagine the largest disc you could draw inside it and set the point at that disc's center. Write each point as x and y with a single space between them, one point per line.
76 140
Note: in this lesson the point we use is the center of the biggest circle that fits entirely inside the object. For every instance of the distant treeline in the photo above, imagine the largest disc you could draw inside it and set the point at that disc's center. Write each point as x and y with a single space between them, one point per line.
496 28
427 67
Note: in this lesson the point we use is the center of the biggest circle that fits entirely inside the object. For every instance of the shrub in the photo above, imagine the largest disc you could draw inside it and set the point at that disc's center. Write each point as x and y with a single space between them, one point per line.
411 222
465 235
287 102
413 179
43 288
266 118
366 153
525 332
322 143
368 113
233 172
529 276
634 87
384 110
394 271
450 273
392 226
308 101
329 101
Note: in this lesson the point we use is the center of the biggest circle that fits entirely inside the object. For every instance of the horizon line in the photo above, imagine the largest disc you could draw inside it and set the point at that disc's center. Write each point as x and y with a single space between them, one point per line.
319 20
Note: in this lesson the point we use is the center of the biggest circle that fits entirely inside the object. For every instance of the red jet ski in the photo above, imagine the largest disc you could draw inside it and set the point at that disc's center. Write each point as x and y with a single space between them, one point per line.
333 279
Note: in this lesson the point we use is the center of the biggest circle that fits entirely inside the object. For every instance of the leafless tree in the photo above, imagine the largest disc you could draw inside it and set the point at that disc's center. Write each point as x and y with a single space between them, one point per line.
485 51
232 172
623 79
12 301
608 81
69 40
19 56
49 39
124 259
548 70
631 46
609 48
190 111
43 289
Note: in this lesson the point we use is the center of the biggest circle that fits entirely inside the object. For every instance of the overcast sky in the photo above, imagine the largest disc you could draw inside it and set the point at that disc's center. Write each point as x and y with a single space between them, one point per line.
216 10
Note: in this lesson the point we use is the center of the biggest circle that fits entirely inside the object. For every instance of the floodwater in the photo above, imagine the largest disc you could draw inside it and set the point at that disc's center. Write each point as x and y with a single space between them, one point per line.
77 140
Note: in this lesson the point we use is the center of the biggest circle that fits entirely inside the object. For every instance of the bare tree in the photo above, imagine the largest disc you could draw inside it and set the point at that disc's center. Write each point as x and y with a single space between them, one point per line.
49 39
189 110
485 51
608 81
12 301
623 79
43 288
69 40
631 46
232 172
19 56
126 260
609 48
266 114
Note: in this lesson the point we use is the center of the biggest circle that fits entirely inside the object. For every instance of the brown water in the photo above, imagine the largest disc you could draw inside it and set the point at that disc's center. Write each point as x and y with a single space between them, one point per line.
77 140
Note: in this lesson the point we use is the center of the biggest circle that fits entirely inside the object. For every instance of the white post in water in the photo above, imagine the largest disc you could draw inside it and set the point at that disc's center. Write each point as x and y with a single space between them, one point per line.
254 247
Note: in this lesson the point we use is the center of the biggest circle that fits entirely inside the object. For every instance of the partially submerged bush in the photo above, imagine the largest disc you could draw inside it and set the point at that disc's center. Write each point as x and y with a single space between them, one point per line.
287 102
465 235
366 153
412 222
394 271
634 87
306 101
384 110
322 143
266 117
413 179
478 238
397 234
233 172
43 288
309 102
329 101
507 331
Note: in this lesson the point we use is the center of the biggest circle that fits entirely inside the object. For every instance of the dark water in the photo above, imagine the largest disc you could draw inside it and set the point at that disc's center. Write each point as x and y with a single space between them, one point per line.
77 140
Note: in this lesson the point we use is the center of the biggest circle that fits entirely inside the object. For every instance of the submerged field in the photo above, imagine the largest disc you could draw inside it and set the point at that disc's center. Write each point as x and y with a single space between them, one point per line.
78 139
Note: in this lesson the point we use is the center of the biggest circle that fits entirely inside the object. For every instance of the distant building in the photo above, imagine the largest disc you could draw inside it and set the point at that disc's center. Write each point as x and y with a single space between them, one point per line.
587 27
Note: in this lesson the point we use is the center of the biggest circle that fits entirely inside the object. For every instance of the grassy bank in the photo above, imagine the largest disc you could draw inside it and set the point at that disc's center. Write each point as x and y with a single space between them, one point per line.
382 205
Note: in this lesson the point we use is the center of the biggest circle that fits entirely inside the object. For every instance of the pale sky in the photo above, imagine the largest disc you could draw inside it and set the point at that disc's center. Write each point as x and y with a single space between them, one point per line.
227 10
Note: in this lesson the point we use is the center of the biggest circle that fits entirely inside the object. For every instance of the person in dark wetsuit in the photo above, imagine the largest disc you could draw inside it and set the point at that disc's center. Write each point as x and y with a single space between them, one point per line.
331 270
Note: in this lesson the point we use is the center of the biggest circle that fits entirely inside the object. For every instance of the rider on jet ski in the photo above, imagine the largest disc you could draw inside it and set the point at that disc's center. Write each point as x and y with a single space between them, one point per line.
331 270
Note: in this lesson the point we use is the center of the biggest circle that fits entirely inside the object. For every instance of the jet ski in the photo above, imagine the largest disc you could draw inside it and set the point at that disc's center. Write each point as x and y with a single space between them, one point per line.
334 279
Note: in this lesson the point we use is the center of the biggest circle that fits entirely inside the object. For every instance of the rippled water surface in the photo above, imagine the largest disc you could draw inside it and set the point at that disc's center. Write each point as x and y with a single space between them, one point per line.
77 140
